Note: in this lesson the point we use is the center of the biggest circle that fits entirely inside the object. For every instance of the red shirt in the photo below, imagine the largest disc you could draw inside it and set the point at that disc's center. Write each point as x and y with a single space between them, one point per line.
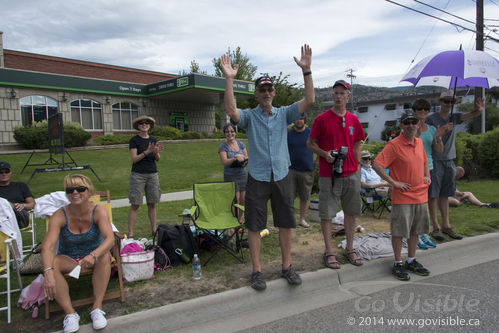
406 163
331 135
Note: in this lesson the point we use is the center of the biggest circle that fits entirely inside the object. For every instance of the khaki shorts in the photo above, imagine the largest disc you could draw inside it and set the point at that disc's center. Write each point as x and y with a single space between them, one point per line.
140 182
301 184
407 220
346 189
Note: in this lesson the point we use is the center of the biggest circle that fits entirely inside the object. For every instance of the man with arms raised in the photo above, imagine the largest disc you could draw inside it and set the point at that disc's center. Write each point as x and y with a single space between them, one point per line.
268 161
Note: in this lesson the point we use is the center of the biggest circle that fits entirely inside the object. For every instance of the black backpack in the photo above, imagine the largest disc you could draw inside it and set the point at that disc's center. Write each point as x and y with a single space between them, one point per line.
177 242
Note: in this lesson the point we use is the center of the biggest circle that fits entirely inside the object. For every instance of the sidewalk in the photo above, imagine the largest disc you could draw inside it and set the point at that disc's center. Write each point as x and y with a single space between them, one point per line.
174 196
224 312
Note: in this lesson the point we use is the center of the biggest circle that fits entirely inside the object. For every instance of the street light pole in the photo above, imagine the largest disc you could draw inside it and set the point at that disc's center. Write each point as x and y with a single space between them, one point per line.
479 46
351 76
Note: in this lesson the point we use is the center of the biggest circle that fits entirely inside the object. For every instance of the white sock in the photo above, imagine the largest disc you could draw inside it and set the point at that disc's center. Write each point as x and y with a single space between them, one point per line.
410 260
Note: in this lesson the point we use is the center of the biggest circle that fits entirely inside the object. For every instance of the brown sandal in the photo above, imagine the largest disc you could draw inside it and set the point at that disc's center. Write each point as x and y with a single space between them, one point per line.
355 261
333 264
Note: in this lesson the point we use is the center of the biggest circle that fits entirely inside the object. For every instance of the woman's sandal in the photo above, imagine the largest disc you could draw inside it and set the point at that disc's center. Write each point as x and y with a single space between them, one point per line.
357 261
333 264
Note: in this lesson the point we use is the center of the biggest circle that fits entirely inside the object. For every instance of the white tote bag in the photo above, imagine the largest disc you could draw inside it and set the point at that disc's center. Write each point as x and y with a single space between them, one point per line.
137 266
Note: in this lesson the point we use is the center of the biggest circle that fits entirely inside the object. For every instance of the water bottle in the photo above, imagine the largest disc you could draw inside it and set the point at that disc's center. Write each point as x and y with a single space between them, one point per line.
264 233
196 267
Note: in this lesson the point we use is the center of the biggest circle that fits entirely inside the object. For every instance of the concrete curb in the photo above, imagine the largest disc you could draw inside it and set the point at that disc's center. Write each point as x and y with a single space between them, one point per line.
165 197
445 258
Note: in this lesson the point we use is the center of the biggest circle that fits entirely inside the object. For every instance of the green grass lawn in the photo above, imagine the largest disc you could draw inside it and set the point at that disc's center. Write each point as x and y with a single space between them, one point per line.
183 164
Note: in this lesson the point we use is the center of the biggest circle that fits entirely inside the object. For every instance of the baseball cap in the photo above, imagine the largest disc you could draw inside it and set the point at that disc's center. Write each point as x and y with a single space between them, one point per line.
5 165
262 80
343 83
408 115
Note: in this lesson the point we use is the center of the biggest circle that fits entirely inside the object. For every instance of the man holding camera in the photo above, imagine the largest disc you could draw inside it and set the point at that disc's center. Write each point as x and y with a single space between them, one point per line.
336 138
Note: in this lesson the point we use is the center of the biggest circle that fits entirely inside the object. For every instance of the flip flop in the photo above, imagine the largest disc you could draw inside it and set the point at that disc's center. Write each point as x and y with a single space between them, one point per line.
330 263
354 262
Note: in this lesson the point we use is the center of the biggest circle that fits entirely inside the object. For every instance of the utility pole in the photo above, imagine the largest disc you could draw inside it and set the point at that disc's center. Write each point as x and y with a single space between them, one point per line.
351 76
479 121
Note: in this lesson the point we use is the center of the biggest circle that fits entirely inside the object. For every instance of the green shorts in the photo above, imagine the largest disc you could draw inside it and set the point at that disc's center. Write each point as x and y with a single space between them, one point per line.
407 220
346 189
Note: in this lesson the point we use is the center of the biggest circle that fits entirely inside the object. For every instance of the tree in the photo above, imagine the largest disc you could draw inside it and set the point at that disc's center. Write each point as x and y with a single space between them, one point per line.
491 117
246 71
285 92
194 69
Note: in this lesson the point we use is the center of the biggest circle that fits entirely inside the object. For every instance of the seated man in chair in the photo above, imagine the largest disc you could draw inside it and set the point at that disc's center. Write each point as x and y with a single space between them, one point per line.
370 181
17 193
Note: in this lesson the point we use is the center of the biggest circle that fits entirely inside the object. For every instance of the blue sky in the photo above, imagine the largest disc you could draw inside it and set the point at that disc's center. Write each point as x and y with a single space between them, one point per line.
374 37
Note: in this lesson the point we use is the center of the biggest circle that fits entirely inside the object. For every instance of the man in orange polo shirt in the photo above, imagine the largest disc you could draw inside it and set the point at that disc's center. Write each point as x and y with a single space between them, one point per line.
409 178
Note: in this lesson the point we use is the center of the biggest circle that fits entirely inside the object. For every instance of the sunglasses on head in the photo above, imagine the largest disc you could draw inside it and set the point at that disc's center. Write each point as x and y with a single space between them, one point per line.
263 89
410 122
79 189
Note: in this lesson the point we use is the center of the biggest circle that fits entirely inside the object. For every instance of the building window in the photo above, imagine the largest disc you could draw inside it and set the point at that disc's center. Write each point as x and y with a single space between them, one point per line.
36 108
389 123
390 107
362 109
123 114
364 125
87 113
407 106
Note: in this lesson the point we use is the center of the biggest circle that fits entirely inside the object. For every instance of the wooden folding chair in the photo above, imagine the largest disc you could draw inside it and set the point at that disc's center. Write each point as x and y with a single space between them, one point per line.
9 256
116 263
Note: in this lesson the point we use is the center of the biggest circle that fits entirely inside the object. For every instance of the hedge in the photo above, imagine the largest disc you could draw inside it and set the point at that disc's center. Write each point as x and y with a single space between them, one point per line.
36 136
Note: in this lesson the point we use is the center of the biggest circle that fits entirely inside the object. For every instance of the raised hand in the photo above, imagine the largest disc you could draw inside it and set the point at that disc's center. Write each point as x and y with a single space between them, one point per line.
227 69
479 104
306 58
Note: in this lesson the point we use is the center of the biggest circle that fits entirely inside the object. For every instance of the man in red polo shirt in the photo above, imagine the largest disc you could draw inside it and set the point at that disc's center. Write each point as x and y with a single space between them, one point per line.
409 178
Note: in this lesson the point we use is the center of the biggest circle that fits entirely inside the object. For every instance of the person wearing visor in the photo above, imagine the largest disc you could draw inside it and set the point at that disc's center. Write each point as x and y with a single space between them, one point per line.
144 152
336 138
443 175
409 178
17 194
85 238
269 161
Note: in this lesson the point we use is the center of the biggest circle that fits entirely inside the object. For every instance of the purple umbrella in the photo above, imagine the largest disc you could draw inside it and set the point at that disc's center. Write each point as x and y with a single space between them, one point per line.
451 69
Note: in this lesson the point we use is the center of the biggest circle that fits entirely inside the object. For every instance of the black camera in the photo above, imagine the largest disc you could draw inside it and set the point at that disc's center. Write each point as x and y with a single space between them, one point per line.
339 159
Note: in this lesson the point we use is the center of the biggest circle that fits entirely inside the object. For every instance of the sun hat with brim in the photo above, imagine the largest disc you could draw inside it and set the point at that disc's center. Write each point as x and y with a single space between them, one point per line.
448 94
137 120
366 153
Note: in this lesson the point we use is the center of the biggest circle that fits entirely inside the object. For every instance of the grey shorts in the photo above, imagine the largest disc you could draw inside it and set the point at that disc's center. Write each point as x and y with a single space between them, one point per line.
346 189
409 220
301 184
239 180
258 194
140 182
443 179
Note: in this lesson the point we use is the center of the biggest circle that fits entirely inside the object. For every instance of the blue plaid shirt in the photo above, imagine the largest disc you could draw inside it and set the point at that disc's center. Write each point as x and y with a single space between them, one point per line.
268 140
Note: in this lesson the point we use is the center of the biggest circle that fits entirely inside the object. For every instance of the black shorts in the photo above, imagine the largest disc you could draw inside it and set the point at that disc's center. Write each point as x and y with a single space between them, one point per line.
258 194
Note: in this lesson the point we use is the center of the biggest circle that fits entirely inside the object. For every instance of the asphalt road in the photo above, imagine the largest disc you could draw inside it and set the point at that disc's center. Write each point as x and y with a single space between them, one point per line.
466 300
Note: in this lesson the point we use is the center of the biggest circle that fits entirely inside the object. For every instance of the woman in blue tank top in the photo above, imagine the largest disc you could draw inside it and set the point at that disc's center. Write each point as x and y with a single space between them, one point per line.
85 238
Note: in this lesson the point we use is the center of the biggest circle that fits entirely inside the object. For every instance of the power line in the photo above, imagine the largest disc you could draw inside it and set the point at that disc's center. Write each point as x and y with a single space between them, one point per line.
443 11
494 3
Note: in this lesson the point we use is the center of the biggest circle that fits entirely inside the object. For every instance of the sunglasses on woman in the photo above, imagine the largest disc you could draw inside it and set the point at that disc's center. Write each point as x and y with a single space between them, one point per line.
144 123
79 189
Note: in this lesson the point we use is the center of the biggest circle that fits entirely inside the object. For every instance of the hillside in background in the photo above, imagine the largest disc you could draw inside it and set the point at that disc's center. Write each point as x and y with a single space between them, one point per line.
367 93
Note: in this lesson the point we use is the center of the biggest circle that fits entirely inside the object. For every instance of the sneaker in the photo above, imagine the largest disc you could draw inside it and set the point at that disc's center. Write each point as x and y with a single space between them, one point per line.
257 281
291 276
438 235
98 319
416 268
422 245
304 224
399 271
452 234
426 239
71 323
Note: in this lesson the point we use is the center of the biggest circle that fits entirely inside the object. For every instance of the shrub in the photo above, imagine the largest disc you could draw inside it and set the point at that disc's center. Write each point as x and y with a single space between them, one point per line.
385 134
487 152
36 136
113 139
165 133
467 152
190 135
